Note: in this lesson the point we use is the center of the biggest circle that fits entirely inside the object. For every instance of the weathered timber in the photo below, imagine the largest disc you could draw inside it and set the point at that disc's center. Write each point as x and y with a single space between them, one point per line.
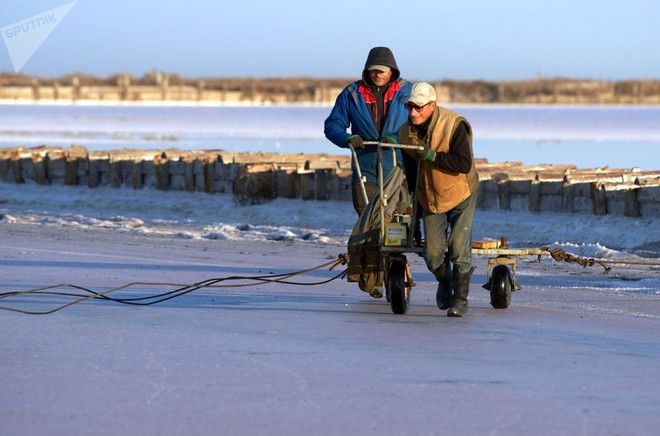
321 177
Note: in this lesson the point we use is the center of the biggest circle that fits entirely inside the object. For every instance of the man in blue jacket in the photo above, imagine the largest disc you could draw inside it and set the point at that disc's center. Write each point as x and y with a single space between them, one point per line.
373 109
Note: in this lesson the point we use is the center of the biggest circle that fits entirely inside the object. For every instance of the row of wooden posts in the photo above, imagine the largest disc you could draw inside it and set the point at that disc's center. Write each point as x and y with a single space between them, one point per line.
320 176
256 177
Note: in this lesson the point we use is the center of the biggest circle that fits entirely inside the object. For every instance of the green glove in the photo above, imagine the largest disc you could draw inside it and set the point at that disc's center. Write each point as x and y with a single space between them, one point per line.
426 153
389 140
356 141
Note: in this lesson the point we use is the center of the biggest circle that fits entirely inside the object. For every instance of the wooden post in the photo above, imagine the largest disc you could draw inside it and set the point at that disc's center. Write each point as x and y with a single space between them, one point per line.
306 185
551 195
481 196
5 166
598 198
71 170
630 205
198 174
321 184
148 173
188 175
535 196
488 194
280 182
519 194
93 173
568 198
504 193
162 173
292 184
40 176
115 172
83 167
137 180
176 173
209 174
55 162
340 186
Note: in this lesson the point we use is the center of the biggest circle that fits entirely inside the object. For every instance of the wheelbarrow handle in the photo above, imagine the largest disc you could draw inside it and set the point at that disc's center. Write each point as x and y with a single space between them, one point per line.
363 188
389 144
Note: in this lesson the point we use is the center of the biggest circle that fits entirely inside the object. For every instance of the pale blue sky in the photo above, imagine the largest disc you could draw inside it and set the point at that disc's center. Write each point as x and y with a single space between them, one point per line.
432 40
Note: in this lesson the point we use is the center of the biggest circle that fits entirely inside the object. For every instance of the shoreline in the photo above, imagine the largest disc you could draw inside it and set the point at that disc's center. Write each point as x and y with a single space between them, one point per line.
160 86
231 104
155 103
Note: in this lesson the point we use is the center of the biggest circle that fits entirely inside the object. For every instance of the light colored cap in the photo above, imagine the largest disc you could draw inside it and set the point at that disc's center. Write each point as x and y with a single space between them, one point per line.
383 68
422 93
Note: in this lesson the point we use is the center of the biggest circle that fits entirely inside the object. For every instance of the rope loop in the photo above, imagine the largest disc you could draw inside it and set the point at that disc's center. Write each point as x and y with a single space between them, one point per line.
560 255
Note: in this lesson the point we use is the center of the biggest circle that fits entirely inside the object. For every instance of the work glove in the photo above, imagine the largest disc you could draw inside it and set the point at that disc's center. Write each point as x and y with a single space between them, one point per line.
426 153
389 140
356 141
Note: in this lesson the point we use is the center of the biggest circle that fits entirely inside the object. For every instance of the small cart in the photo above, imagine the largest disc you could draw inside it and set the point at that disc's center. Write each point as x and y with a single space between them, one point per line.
398 237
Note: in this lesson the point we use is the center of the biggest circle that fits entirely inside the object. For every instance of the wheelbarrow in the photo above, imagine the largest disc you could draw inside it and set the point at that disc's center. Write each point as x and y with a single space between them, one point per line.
397 236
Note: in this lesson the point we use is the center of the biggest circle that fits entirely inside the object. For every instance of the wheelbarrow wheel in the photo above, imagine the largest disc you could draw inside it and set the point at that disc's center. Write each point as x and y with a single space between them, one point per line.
500 287
399 292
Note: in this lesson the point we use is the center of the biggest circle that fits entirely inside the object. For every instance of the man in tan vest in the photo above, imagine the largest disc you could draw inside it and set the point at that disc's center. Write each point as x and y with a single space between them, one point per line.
446 191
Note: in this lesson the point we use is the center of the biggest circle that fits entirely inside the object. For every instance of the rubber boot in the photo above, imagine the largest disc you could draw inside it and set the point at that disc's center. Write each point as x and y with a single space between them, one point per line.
377 292
459 302
443 294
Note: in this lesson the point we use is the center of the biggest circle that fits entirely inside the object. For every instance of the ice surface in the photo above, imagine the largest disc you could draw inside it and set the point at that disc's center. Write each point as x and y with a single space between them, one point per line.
197 215
576 353
586 136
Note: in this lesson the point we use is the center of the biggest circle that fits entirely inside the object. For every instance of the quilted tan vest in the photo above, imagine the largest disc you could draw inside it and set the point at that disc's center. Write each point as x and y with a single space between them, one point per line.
439 190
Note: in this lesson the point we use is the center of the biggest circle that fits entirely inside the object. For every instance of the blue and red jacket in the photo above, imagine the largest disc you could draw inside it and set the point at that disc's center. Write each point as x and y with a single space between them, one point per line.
351 110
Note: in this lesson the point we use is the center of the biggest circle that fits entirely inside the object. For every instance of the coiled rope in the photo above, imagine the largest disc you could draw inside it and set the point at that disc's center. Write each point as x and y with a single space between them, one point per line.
561 256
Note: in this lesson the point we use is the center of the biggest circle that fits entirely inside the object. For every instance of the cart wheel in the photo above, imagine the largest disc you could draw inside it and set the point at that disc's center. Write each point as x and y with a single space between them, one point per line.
399 292
500 287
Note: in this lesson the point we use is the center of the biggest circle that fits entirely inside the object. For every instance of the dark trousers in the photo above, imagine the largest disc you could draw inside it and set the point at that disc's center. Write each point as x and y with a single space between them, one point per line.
358 199
458 223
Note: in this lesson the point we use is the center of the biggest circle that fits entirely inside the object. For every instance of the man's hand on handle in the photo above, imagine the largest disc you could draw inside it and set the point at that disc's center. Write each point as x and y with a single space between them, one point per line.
356 141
